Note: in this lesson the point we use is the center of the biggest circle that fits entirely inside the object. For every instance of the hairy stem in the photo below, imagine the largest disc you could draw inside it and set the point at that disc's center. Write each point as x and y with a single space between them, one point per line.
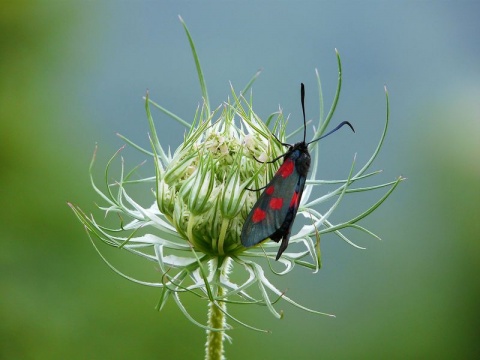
216 315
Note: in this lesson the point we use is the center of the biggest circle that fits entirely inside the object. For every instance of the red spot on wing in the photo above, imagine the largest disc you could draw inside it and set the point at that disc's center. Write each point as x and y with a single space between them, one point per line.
294 201
276 203
287 168
269 190
258 215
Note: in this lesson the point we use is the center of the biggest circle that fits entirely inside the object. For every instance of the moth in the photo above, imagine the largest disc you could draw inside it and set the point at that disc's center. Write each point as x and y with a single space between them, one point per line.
273 214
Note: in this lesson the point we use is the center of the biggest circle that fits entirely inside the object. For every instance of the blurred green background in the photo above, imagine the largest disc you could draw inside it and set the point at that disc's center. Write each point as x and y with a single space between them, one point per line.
73 74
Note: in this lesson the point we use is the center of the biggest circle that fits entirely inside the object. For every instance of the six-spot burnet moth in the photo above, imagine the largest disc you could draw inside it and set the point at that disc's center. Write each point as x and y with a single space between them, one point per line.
273 214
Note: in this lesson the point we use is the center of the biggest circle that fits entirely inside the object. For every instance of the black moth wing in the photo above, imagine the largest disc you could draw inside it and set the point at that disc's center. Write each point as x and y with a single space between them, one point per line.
273 214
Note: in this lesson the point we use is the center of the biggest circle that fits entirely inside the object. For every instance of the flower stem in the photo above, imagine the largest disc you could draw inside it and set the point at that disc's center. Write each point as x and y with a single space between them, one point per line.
216 318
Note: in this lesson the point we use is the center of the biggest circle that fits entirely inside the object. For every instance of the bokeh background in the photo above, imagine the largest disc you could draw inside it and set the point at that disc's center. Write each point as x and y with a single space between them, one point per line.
72 74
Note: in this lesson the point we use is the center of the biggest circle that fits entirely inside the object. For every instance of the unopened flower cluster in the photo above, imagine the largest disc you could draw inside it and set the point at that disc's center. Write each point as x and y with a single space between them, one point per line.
203 190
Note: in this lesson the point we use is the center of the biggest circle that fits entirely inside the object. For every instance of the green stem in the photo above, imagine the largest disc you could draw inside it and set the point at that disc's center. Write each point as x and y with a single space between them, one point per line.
216 317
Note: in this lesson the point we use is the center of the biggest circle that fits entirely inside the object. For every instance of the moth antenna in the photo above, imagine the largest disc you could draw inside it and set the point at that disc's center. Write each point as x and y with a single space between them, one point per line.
302 97
332 131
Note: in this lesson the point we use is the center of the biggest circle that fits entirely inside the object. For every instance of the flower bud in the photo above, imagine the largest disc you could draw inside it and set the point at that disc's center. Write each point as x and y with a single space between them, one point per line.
203 189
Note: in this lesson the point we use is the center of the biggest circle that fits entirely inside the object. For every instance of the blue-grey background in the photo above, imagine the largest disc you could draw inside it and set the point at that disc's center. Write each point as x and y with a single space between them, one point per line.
74 73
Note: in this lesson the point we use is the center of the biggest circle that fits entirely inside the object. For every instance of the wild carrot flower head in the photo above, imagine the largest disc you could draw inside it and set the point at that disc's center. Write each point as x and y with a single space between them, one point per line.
201 196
